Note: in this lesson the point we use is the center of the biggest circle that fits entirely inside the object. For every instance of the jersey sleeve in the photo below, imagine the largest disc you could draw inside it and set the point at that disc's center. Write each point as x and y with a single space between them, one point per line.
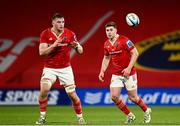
106 53
43 37
73 37
129 45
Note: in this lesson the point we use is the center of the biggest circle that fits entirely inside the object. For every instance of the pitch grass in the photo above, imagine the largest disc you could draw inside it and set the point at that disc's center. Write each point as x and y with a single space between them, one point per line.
64 115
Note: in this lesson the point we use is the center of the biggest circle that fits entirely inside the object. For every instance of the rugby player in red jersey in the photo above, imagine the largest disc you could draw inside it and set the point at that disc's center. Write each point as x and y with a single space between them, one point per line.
123 54
55 45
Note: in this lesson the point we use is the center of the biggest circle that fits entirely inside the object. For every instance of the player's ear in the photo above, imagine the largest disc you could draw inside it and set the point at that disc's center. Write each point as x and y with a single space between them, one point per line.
115 29
52 22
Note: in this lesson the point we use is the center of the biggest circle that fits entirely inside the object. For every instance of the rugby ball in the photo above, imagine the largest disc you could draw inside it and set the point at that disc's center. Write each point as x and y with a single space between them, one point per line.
132 19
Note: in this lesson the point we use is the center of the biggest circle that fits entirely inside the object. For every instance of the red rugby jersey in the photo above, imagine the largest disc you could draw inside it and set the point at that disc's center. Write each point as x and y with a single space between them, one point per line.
120 54
60 57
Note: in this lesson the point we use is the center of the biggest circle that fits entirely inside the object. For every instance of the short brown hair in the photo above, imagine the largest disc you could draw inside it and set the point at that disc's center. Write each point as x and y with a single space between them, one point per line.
57 15
111 24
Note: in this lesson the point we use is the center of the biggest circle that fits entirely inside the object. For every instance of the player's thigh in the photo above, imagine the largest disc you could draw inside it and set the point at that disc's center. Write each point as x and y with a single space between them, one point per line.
116 81
115 91
131 83
132 93
48 78
116 86
66 76
133 96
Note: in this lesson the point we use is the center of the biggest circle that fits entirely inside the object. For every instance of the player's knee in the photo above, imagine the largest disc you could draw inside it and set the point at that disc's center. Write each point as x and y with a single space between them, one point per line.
133 98
114 98
70 88
45 87
46 82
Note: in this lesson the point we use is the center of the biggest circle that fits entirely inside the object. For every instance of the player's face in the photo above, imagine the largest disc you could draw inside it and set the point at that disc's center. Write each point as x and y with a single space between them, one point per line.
58 24
111 32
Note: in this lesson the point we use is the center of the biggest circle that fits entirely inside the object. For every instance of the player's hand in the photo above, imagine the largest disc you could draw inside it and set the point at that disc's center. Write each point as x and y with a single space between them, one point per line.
74 44
101 76
126 71
57 42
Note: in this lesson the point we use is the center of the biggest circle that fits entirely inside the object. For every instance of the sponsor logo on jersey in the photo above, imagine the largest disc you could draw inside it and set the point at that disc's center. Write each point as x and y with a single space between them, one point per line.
63 44
115 52
160 53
